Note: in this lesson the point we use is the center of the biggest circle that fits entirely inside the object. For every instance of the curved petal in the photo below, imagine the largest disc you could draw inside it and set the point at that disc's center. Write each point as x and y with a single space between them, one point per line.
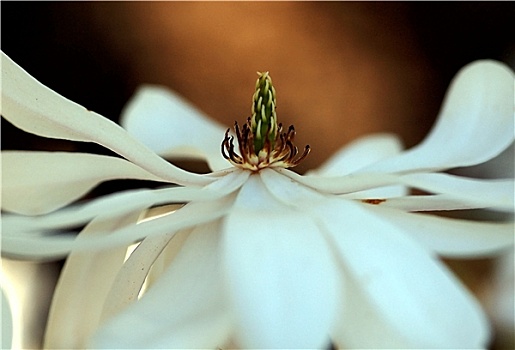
131 277
497 193
116 204
34 108
436 202
476 123
280 274
451 237
39 182
360 153
172 127
412 293
82 287
186 307
51 247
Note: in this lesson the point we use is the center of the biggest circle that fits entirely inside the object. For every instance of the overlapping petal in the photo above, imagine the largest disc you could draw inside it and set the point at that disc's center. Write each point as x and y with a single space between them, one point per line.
280 274
412 292
172 127
476 123
74 315
40 182
52 247
186 308
34 108
451 237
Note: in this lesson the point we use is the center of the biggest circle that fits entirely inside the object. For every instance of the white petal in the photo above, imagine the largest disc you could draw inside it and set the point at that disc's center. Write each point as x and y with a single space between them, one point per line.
51 247
34 108
185 308
412 293
497 193
452 237
280 273
476 123
426 203
116 204
40 182
131 277
172 127
82 287
360 153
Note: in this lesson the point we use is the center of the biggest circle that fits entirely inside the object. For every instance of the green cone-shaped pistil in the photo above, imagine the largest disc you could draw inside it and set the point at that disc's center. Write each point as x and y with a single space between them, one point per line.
264 118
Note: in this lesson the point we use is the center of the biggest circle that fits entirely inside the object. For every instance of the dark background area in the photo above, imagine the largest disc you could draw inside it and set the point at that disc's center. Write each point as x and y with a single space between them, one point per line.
71 47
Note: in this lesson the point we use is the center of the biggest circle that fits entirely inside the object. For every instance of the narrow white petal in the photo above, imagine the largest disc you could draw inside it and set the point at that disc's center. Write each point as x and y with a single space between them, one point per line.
476 123
172 127
495 193
82 287
434 202
131 277
280 274
412 293
34 108
184 309
451 237
360 153
51 247
116 204
39 182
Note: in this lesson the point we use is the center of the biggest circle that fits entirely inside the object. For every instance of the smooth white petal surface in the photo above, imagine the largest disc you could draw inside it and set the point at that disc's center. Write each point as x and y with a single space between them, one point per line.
51 247
476 123
451 237
34 108
131 277
186 307
280 274
82 287
120 203
172 127
410 291
360 153
497 193
39 182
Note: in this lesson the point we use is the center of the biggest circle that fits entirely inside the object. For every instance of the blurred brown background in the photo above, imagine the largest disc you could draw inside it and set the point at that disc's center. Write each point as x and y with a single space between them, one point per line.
342 69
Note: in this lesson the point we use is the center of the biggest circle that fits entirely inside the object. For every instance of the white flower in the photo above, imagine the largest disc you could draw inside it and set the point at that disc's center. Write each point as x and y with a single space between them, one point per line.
260 256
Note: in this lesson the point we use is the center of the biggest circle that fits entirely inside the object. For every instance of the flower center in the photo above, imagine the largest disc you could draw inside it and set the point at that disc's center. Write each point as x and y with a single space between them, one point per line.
261 141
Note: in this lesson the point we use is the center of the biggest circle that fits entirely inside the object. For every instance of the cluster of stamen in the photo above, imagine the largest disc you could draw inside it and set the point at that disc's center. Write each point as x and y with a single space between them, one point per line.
261 141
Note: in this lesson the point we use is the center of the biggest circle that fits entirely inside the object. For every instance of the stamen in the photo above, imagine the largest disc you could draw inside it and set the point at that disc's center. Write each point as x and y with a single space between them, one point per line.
261 140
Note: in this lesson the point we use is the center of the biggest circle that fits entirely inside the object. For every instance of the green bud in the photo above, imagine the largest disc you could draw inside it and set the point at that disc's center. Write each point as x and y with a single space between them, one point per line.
264 118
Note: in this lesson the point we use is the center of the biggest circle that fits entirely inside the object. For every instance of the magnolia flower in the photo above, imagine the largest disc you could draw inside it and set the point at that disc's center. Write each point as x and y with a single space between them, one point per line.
259 256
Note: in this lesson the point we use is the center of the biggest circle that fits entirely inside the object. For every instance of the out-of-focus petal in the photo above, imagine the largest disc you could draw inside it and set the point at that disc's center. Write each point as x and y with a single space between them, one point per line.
497 193
434 202
34 108
131 277
118 204
40 182
186 308
476 123
451 237
423 304
282 280
51 247
358 154
172 127
74 314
